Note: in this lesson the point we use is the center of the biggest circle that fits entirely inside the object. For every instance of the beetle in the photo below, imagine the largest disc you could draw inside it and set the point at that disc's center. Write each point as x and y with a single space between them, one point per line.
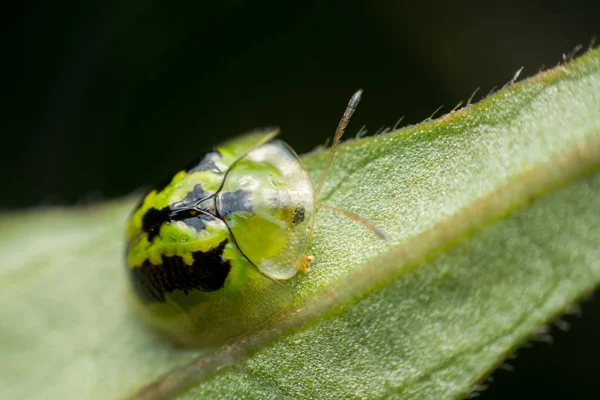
207 252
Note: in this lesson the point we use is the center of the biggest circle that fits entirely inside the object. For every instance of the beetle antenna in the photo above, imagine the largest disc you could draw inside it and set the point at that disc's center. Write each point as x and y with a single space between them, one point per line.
339 132
355 217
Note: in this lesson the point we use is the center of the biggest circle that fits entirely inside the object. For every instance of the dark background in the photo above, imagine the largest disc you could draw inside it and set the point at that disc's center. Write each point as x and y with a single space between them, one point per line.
102 98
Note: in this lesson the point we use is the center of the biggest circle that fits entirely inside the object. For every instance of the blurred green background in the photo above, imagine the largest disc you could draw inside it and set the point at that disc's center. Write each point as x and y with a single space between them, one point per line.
103 98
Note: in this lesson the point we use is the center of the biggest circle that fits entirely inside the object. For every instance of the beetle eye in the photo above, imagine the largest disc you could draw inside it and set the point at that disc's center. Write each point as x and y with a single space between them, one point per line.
299 214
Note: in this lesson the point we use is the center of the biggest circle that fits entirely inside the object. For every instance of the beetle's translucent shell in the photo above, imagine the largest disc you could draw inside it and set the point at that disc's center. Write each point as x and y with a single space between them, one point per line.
206 250
274 232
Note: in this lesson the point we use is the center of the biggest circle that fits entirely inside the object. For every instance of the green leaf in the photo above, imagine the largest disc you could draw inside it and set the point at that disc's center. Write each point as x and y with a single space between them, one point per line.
494 231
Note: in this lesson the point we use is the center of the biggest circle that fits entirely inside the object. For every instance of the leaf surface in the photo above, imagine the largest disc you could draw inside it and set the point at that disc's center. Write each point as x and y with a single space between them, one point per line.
491 213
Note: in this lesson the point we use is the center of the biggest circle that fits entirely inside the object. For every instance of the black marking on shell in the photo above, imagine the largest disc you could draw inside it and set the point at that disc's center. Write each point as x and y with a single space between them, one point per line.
207 274
198 222
207 163
299 215
191 198
182 210
230 202
153 220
